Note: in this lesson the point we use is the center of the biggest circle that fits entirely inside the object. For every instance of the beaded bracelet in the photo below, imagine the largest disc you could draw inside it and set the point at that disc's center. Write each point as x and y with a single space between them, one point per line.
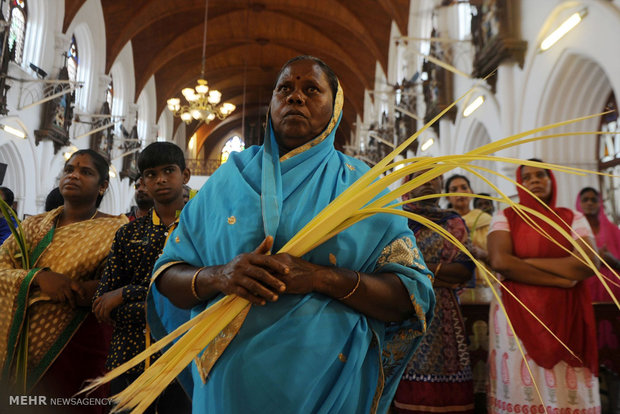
194 291
357 284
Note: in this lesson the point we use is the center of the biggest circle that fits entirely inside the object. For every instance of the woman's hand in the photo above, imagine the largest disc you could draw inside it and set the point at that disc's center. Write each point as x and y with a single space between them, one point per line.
106 303
90 287
479 253
58 287
301 275
566 283
252 275
609 258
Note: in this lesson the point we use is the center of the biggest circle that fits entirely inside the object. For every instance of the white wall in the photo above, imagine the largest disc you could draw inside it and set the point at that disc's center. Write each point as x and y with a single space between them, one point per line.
33 170
569 80
572 79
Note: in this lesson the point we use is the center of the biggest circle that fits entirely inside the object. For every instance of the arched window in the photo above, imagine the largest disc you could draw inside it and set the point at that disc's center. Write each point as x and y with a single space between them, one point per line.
234 144
15 11
609 157
73 60
465 11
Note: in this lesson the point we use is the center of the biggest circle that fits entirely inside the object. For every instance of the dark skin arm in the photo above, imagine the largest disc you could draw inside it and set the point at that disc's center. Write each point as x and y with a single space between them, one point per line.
260 278
450 274
567 267
502 260
609 258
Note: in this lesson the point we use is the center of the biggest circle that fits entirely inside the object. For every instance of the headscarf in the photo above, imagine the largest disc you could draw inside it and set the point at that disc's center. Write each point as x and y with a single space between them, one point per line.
437 249
431 212
567 313
608 236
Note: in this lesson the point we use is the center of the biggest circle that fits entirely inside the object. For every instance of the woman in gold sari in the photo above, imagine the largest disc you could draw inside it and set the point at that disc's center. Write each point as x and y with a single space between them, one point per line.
49 340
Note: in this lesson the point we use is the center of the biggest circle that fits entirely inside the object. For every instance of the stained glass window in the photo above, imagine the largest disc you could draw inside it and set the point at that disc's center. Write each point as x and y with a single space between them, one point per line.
234 144
465 11
109 94
16 11
73 60
609 145
609 157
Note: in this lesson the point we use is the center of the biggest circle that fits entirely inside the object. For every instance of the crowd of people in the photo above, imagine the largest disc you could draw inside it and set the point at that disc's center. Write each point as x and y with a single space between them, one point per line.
369 321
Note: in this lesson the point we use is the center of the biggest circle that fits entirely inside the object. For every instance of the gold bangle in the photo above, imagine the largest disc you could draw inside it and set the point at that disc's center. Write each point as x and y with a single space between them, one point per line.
437 269
357 284
194 291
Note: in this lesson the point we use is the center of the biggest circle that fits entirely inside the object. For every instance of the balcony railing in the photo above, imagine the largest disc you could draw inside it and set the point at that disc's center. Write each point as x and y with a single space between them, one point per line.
202 166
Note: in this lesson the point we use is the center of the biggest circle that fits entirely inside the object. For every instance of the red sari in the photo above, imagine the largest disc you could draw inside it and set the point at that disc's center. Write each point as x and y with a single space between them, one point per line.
567 312
566 383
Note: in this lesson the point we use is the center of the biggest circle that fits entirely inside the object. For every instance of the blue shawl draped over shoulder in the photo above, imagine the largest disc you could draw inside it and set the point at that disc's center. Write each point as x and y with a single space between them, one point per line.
304 353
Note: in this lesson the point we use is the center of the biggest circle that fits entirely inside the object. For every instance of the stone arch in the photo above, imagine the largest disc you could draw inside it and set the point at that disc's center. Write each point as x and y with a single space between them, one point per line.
37 25
488 115
88 27
580 87
15 177
111 202
480 128
477 136
85 73
570 80
122 73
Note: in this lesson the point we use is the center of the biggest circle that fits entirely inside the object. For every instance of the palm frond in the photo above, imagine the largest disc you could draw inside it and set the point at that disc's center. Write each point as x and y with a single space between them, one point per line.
17 231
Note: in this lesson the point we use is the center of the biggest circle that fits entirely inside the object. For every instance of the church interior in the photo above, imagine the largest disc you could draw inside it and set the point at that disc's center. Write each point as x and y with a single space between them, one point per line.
116 76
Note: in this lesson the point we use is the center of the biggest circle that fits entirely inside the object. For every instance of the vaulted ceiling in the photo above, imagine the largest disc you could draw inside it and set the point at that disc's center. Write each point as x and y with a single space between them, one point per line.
247 42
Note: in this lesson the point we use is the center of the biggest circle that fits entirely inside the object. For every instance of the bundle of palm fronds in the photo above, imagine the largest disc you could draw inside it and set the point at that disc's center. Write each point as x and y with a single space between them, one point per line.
353 205
24 256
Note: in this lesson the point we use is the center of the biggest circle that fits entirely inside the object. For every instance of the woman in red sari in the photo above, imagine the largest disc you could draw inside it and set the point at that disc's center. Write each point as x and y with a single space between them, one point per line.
550 283
607 237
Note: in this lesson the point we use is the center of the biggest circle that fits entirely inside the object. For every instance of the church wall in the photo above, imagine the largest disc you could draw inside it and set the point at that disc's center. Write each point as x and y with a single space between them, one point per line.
571 79
34 169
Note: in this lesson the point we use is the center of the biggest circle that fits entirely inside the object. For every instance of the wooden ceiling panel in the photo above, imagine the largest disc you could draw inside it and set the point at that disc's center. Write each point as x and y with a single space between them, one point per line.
71 9
249 40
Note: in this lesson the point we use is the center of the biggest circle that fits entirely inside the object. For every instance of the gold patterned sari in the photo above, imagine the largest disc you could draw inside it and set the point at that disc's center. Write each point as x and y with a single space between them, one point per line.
29 320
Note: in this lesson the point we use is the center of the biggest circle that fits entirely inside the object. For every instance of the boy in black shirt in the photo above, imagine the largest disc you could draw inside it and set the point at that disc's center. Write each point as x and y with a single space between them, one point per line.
121 294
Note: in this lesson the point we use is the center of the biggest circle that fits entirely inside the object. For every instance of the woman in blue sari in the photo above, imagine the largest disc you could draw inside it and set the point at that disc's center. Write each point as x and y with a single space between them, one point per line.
329 332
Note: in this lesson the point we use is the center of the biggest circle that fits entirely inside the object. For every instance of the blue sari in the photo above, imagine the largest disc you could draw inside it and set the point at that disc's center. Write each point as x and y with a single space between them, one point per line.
304 353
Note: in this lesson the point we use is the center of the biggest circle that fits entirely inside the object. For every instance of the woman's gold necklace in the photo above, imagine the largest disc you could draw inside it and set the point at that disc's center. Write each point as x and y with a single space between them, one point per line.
58 219
91 217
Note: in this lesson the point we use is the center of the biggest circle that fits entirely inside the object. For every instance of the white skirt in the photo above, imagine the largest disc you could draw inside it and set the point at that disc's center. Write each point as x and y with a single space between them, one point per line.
564 389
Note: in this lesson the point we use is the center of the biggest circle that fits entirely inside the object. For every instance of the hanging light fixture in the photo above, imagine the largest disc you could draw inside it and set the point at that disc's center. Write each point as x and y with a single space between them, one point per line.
202 104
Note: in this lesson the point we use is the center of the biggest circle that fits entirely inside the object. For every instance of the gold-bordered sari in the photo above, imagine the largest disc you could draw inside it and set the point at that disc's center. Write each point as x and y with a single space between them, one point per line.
76 250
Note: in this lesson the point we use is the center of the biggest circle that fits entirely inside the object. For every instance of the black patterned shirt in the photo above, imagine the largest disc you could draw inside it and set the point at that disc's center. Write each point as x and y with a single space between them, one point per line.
137 246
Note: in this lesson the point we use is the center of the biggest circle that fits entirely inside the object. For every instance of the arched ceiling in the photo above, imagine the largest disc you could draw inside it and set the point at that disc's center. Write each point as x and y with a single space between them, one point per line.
247 42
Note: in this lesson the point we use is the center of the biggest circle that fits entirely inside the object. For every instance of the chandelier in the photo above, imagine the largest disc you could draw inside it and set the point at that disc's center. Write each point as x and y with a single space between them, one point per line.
202 104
